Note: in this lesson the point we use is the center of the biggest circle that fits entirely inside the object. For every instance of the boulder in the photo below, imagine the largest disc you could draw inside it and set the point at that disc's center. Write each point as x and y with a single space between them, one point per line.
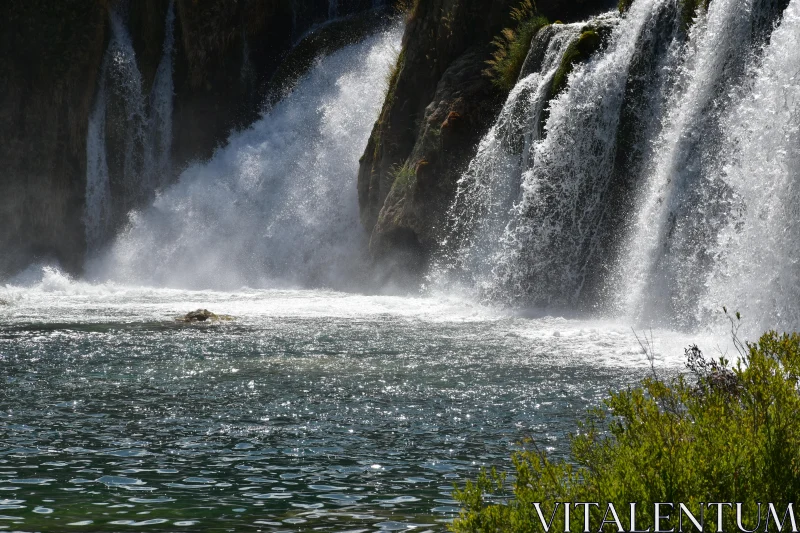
203 315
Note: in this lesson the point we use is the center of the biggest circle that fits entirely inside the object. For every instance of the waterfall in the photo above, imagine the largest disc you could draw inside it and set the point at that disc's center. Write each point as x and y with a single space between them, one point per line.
757 266
663 185
97 217
125 82
277 206
683 201
543 253
142 125
489 188
333 9
157 168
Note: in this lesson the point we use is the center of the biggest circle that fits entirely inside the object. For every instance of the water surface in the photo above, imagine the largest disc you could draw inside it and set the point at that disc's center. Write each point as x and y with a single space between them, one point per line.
312 410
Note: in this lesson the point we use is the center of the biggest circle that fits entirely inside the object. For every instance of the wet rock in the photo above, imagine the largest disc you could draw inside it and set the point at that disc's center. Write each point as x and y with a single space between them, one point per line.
203 315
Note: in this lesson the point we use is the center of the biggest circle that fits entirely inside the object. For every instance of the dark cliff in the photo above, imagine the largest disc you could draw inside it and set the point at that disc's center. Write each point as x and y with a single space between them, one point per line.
49 58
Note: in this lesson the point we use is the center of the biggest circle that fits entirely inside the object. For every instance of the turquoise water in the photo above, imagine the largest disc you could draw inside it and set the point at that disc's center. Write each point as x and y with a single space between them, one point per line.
311 411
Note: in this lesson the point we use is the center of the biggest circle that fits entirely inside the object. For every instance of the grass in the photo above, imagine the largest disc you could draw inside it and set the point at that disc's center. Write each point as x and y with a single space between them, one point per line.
721 434
403 177
393 75
513 44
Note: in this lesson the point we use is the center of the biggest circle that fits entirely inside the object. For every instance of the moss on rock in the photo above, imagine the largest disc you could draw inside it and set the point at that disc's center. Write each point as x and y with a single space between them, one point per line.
577 52
624 5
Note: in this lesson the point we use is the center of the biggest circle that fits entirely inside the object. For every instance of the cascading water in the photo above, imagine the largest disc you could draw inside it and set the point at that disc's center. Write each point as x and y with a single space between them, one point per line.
277 206
159 145
142 125
333 9
757 267
683 202
125 83
97 217
487 191
555 226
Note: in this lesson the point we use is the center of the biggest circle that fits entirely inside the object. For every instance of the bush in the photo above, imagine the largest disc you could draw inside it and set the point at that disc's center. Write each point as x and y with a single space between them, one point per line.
513 44
722 434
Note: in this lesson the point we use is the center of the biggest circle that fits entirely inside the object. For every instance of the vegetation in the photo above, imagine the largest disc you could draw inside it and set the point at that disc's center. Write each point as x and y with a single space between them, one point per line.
393 75
722 434
408 8
403 177
512 45
578 51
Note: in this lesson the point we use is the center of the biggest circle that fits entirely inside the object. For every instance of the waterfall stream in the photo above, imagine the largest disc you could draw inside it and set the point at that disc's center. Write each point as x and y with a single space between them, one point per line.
97 217
157 166
756 260
277 206
544 243
142 125
662 187
658 185
683 203
491 185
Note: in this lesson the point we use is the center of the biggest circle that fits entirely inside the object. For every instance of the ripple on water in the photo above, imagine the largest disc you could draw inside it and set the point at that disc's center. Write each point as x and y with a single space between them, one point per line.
362 414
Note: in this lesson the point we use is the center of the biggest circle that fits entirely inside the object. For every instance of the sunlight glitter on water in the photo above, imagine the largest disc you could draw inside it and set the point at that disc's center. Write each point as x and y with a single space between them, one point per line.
311 408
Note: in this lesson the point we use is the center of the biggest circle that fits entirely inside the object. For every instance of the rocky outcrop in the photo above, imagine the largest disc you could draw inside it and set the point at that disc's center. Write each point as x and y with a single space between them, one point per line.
439 104
49 58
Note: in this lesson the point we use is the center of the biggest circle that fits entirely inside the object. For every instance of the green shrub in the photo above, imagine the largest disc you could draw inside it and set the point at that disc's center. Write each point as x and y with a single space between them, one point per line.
513 44
724 434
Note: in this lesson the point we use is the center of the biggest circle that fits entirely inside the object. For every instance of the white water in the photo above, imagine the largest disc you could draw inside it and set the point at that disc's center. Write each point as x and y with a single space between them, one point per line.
97 217
547 247
757 262
126 82
277 206
661 272
119 75
157 166
47 296
146 125
487 191
715 220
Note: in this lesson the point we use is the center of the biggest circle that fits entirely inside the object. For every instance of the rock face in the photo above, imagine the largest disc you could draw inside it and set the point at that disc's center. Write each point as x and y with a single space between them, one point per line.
51 56
439 105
